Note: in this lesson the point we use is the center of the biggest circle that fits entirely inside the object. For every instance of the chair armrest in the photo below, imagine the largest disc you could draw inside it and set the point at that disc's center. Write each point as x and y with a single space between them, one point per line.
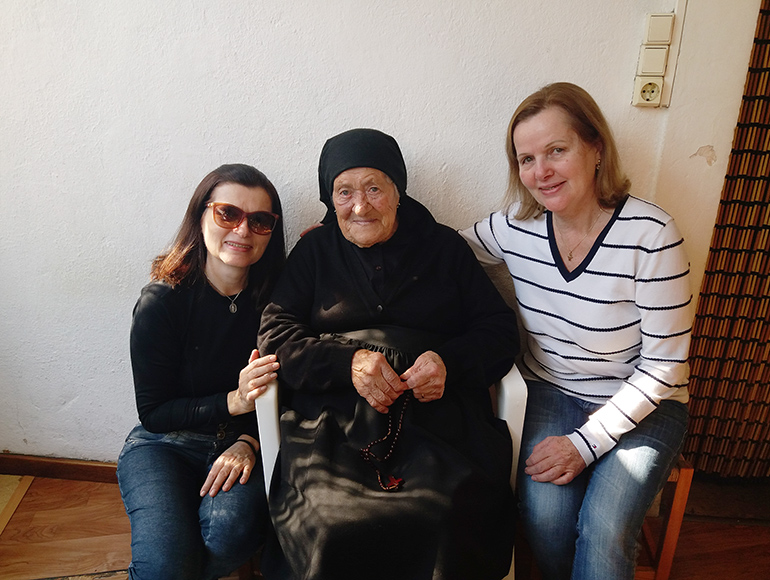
511 405
269 432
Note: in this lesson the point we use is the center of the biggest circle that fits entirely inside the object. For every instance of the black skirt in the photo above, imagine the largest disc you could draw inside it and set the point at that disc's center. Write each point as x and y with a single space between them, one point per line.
430 500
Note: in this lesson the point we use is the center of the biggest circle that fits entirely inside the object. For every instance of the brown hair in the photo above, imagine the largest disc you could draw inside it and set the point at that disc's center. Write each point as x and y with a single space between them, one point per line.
185 260
589 123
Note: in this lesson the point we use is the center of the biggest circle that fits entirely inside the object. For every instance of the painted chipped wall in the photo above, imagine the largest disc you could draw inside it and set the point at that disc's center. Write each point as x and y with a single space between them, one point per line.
112 112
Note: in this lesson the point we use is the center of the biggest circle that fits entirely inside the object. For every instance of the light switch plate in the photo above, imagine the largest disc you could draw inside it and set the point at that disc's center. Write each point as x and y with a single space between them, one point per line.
652 61
659 28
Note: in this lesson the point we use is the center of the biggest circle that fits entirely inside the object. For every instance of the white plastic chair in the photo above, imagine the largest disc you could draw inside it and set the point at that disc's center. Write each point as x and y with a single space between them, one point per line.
511 404
269 431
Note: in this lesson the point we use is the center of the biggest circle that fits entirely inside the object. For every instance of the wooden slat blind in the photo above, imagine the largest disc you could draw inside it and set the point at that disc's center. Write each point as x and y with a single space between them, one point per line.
730 353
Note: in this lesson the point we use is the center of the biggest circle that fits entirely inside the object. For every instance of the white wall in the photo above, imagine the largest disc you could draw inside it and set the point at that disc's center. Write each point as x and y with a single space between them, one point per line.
112 112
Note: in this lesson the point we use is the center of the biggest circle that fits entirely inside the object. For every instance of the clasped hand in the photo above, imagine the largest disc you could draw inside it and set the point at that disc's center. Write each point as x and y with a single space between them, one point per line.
377 382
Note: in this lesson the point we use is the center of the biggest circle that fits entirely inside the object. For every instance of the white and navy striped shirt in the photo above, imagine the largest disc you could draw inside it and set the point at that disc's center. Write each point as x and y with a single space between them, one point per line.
616 330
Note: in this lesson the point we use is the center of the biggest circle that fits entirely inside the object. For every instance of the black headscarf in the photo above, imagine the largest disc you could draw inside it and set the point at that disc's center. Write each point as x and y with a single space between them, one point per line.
359 148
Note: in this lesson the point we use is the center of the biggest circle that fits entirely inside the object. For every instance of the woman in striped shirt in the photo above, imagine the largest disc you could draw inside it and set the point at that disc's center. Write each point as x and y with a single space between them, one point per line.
602 286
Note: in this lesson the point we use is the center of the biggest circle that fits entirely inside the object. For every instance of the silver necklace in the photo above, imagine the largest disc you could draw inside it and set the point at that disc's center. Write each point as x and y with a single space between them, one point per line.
233 306
575 247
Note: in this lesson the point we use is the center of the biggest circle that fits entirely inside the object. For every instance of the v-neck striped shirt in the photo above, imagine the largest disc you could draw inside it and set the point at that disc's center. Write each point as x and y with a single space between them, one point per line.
616 329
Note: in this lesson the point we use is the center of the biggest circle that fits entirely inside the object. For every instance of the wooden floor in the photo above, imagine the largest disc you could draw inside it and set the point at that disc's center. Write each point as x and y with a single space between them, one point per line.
707 550
67 528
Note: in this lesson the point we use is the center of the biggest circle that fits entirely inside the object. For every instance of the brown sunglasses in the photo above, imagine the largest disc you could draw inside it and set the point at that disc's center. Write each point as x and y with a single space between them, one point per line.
230 217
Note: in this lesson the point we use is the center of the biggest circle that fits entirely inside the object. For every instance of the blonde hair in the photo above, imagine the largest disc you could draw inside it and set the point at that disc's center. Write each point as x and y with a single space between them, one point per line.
587 120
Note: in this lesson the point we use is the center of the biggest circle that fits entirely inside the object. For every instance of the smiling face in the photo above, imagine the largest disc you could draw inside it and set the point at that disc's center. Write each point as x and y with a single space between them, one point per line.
365 200
555 165
236 248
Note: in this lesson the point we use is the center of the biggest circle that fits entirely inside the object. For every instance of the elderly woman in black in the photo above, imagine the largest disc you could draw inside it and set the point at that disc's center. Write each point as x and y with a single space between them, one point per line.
389 334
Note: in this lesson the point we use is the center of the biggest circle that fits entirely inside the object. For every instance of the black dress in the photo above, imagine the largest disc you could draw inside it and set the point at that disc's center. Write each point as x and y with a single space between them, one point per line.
451 516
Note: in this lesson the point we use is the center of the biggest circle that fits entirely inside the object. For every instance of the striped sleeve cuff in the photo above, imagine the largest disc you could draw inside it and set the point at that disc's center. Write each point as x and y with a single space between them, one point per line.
592 441
583 447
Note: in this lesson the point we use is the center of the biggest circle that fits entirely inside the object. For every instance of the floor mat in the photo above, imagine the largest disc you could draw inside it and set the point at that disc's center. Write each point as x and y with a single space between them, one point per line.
12 490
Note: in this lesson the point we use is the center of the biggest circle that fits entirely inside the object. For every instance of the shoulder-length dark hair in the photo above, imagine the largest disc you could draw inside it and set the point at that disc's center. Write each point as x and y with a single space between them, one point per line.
185 261
587 120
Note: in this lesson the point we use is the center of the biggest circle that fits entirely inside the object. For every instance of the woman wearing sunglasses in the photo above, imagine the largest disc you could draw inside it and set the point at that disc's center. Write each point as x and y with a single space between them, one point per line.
190 475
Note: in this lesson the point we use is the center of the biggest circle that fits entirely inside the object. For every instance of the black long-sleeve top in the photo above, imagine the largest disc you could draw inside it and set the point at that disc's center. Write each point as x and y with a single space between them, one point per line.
187 350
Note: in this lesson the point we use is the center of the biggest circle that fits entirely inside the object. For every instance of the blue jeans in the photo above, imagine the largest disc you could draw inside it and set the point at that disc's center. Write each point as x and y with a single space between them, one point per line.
176 534
587 529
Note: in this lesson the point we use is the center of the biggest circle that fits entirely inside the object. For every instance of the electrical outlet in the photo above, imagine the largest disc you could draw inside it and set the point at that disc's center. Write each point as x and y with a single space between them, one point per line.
647 91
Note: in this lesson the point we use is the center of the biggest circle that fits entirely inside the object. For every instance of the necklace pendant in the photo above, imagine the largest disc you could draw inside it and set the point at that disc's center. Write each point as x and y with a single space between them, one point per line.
569 257
233 307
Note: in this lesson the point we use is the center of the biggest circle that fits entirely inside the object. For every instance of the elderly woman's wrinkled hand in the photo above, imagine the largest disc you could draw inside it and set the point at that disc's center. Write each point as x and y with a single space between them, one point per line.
426 377
375 380
236 462
554 460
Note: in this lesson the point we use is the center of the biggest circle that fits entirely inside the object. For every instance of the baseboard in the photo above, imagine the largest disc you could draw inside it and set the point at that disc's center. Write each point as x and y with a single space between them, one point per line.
57 468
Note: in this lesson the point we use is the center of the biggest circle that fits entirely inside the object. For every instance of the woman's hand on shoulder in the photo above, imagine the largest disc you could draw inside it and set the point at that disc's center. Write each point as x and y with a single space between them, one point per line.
554 460
235 463
252 382
375 380
426 377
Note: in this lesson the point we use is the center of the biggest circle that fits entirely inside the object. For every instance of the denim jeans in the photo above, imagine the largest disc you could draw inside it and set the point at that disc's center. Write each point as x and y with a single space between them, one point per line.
587 529
176 534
